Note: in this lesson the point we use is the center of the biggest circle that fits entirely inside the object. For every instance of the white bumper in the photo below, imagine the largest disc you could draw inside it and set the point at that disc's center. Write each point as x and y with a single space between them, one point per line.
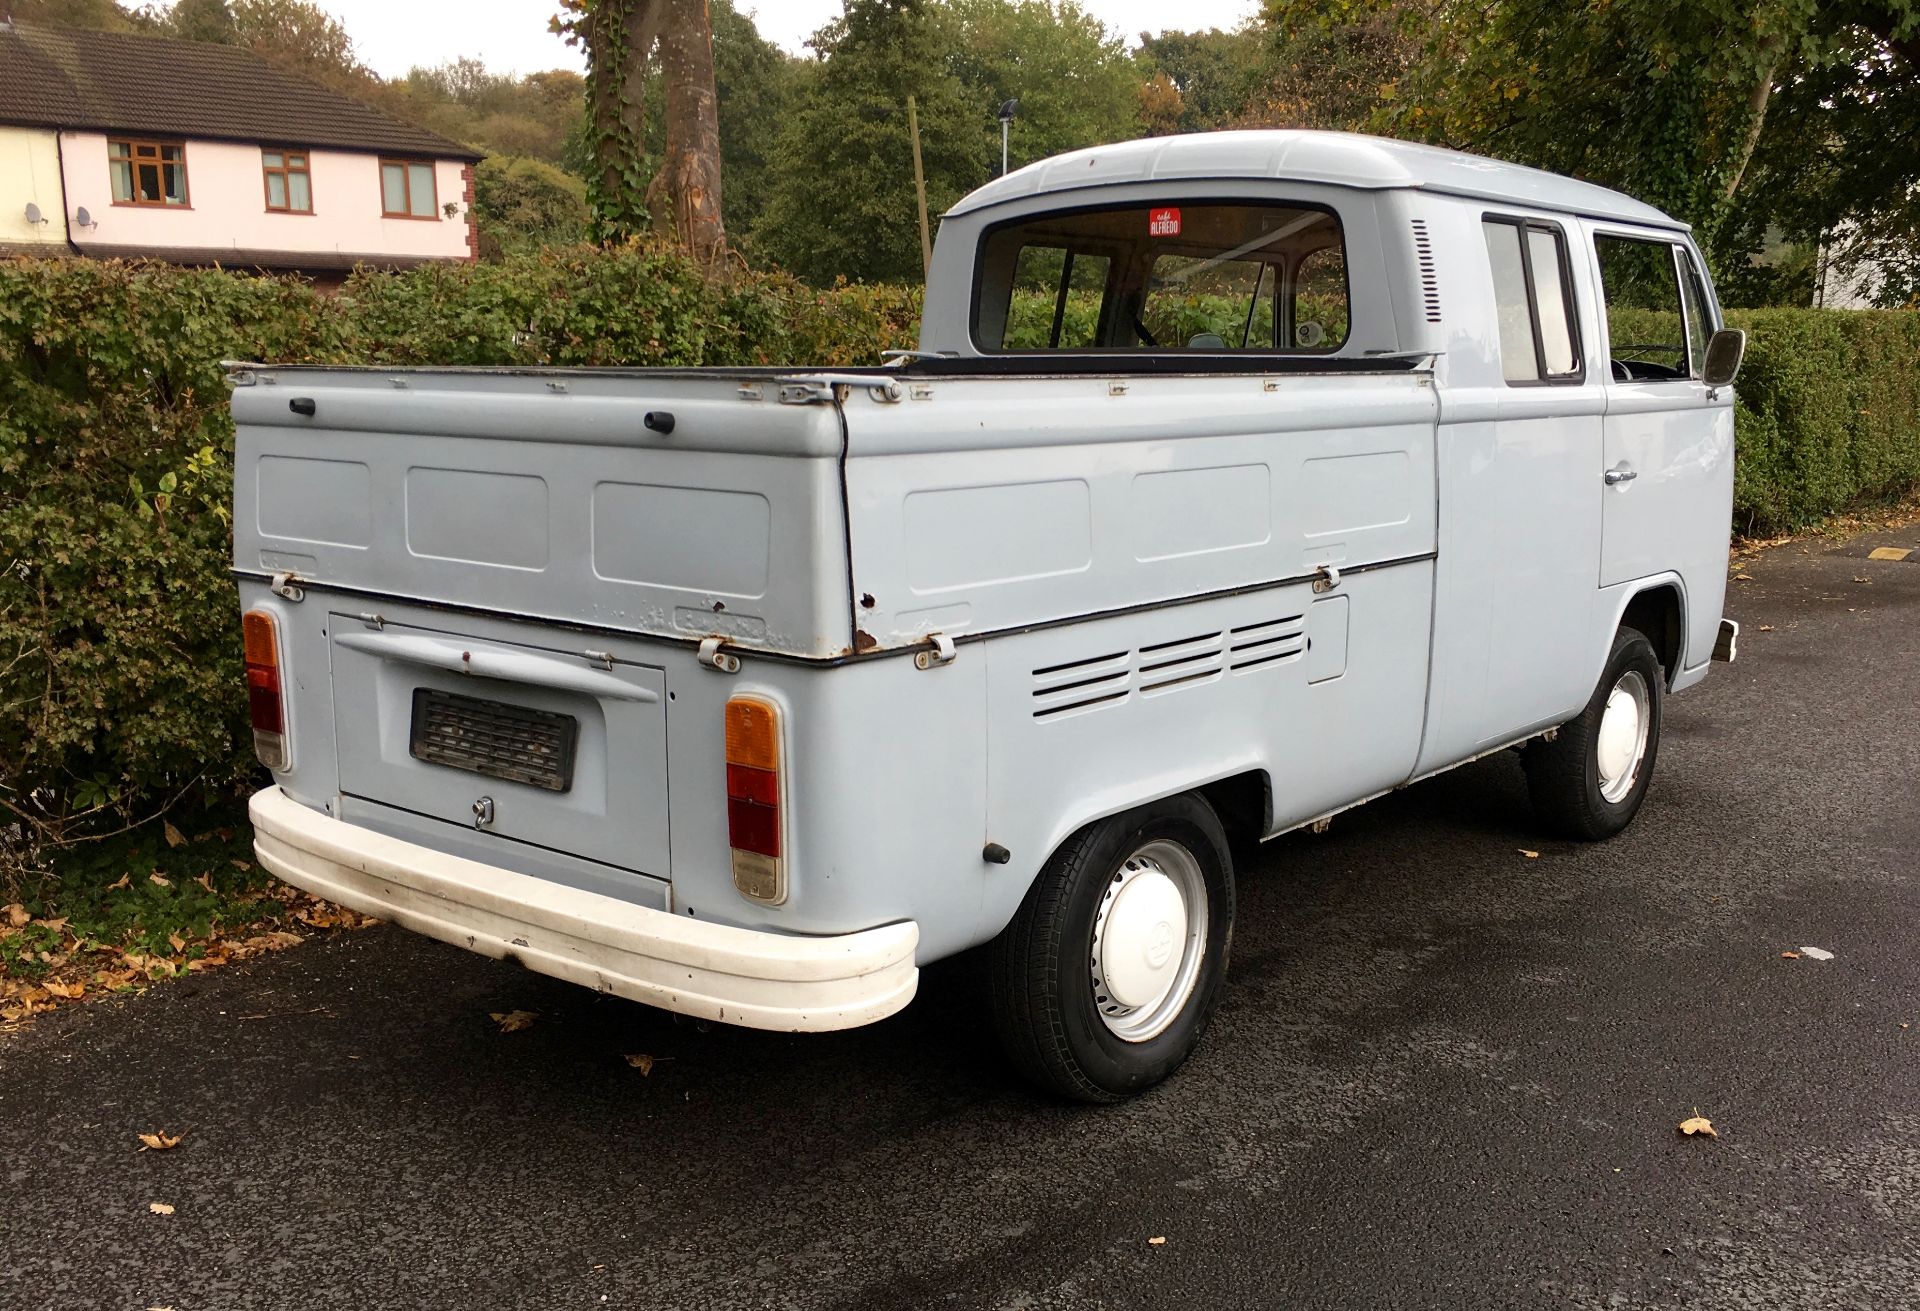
713 971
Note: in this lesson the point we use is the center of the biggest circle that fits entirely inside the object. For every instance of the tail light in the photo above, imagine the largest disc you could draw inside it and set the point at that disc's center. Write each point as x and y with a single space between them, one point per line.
266 707
754 818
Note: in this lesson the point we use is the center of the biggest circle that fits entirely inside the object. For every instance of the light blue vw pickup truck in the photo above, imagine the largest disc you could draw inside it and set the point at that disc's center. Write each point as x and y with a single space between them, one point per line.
1237 479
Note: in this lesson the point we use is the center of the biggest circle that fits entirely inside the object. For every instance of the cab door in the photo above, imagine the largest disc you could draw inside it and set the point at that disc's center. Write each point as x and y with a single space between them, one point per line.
1666 473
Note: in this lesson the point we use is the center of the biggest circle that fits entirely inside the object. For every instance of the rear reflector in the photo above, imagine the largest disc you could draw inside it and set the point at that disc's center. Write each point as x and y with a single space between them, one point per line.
266 707
754 799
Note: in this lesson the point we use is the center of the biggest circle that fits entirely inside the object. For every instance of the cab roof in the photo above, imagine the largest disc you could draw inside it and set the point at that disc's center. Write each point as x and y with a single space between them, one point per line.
1346 159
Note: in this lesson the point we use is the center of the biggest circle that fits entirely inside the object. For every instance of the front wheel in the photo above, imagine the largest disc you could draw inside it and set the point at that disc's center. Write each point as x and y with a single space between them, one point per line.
1590 780
1105 979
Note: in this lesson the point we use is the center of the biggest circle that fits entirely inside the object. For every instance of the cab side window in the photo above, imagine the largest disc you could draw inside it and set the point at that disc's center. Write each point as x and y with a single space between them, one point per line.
1533 299
1058 298
1699 321
1647 331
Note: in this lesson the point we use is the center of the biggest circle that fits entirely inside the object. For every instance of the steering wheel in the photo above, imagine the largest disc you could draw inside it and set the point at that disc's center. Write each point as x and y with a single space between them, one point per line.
1622 372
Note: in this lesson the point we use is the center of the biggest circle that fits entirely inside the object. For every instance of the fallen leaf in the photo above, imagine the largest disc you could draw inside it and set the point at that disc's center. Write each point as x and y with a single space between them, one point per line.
17 915
1905 1025
514 1021
1530 855
71 991
160 1142
242 864
161 879
175 838
177 942
1766 628
1156 1242
1743 578
1789 955
159 1208
205 881
1698 1124
126 881
1816 953
638 1060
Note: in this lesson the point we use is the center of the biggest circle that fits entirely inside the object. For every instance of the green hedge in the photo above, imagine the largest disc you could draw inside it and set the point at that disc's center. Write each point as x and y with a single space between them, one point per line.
119 675
1827 413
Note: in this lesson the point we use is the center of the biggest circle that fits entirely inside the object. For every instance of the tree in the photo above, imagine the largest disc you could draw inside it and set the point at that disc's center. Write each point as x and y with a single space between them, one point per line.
521 204
210 21
100 15
684 196
302 36
1071 74
618 36
1214 73
843 201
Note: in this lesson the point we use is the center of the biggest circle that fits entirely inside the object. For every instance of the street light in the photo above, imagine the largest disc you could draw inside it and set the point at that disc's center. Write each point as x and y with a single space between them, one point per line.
1008 108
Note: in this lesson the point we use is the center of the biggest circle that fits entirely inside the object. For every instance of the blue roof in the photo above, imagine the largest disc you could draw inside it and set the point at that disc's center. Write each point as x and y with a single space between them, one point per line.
1345 159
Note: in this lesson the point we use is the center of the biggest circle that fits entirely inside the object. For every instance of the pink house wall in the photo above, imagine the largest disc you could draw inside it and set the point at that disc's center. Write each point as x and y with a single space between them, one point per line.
227 205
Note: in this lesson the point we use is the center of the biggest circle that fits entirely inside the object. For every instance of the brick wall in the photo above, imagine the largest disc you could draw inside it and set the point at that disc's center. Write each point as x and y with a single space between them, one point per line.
473 230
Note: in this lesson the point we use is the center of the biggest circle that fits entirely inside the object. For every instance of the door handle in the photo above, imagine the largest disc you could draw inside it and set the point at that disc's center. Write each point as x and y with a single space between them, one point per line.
1617 476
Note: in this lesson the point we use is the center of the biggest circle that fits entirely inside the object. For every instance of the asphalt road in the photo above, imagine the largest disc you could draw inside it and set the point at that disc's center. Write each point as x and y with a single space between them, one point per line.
1444 1075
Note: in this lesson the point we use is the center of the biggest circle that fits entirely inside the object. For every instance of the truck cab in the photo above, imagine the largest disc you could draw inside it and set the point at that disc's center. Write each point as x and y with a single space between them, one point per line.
1236 480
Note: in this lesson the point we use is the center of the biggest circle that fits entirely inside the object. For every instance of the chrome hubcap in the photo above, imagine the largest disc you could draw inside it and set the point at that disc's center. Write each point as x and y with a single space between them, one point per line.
1148 940
1622 741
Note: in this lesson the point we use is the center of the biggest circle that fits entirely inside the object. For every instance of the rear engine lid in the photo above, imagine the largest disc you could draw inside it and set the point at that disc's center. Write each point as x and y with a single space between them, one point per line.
524 743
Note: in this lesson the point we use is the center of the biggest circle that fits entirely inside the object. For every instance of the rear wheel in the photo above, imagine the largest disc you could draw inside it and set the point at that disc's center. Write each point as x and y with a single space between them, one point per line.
1105 979
1589 781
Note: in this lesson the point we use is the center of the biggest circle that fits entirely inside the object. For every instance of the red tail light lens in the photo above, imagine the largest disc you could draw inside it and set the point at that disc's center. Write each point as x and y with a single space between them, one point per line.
754 799
266 707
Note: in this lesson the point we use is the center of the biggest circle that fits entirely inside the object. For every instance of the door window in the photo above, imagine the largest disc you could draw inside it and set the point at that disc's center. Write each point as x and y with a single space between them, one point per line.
1209 304
1646 329
1533 302
1699 325
1320 299
1057 299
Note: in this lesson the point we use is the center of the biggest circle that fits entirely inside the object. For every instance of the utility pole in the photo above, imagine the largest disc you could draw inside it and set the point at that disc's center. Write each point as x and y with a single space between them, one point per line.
920 191
1008 108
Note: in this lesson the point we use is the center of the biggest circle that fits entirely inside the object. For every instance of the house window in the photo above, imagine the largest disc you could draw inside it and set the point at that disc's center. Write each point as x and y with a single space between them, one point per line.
406 189
148 172
289 186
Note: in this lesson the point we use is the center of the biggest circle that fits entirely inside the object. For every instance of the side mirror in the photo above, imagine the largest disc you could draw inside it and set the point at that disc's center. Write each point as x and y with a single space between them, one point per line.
1724 352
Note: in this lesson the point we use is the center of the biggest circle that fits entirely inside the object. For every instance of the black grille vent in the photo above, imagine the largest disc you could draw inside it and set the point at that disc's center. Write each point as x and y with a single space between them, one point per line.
1161 667
493 738
1267 643
1429 279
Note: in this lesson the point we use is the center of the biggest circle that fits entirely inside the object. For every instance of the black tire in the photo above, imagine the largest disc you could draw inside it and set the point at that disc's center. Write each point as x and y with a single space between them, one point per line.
1564 775
1044 1004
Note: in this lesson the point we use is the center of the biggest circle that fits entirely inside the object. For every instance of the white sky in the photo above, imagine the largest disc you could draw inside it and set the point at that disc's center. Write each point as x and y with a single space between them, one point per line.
510 36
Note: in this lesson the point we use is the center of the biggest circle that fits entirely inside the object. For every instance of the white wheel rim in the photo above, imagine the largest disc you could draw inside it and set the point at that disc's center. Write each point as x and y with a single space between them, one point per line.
1149 939
1621 744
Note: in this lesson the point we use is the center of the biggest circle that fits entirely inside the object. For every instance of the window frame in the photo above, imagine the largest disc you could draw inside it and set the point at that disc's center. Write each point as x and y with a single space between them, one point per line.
133 162
1527 224
1118 277
406 163
285 171
1690 277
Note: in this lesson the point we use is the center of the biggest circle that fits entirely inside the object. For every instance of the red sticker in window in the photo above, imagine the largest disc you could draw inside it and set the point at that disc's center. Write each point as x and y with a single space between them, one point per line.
1163 223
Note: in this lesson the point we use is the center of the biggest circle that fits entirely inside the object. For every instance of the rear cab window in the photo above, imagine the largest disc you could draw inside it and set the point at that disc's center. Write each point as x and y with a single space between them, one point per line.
1206 278
1533 301
1657 315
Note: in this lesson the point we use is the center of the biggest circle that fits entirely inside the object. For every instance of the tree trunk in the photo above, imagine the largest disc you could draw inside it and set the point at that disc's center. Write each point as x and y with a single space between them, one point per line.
685 194
1756 120
620 36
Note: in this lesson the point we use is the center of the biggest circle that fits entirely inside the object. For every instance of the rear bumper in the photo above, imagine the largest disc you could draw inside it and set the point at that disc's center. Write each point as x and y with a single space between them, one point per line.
713 971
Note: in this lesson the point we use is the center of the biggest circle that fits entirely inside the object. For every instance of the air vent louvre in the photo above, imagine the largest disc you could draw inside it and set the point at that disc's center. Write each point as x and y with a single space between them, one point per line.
1158 667
1429 277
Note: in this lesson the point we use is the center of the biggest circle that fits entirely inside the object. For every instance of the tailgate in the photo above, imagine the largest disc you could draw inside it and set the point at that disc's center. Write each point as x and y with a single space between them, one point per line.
674 503
534 744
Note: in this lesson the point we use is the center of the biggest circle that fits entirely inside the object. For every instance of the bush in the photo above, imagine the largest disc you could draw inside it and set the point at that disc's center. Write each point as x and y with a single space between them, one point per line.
1828 413
119 649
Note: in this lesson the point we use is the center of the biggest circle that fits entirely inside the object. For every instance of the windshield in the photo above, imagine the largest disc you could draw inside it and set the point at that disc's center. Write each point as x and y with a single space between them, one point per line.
1208 278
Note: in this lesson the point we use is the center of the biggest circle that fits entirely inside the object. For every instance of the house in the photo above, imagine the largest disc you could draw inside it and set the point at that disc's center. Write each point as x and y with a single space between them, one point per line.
122 146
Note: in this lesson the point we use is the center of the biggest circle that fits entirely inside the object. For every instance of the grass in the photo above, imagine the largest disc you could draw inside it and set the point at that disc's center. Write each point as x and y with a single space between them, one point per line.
117 915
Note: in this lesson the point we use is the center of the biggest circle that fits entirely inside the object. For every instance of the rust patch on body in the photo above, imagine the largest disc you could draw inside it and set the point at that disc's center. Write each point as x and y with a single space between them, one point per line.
863 640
